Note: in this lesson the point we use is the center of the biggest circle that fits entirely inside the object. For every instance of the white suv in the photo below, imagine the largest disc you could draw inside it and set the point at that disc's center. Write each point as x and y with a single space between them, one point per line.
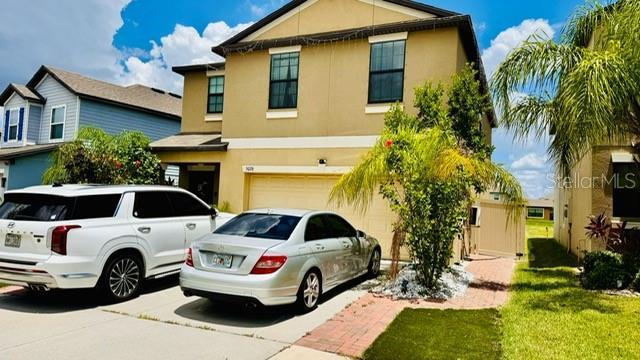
83 236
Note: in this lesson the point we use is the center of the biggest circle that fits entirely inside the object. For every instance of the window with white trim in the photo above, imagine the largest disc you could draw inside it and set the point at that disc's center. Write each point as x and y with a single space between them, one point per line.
14 120
386 72
216 95
57 123
283 88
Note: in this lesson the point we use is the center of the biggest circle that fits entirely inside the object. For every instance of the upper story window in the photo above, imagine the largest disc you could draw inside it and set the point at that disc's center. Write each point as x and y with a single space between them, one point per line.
386 72
14 120
283 87
216 95
57 123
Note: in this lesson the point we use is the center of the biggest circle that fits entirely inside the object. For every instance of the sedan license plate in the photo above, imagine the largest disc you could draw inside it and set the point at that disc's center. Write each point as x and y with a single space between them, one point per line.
12 240
221 260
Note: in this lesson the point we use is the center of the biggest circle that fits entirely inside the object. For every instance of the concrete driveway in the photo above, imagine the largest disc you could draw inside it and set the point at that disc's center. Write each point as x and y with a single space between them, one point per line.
160 324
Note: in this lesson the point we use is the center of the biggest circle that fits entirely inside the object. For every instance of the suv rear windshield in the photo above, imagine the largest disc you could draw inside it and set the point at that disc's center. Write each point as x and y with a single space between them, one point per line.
41 207
264 226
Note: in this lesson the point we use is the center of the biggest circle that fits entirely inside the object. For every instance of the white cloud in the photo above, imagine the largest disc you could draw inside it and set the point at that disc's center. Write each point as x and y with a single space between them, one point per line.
78 36
510 38
185 46
260 8
71 34
530 161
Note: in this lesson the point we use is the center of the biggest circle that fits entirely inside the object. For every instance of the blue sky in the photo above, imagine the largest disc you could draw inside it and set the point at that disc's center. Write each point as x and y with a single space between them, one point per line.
137 41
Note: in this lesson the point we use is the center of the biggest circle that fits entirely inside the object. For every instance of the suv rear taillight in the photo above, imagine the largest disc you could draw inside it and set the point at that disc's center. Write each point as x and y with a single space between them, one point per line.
59 238
189 260
268 264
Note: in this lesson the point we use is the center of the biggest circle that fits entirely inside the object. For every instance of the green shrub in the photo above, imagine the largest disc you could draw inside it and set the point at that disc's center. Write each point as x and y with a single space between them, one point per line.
635 285
603 270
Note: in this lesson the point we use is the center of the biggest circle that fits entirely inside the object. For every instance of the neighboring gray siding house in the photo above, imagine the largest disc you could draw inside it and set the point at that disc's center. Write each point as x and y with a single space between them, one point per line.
51 108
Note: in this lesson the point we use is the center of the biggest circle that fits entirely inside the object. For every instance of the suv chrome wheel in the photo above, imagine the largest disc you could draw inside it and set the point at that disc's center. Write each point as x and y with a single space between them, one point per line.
123 278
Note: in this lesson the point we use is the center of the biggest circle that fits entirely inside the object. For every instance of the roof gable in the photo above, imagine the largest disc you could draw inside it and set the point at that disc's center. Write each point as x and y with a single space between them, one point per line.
313 16
22 91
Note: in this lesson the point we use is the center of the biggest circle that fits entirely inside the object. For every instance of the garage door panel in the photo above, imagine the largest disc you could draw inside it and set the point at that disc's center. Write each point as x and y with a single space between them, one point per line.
312 192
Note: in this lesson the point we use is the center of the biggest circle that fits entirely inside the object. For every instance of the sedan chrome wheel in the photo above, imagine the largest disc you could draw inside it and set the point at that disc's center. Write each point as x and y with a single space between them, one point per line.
124 278
311 291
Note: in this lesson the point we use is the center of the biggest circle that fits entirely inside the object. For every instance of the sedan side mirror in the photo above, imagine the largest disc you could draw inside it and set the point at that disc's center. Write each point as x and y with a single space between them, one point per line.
213 213
361 234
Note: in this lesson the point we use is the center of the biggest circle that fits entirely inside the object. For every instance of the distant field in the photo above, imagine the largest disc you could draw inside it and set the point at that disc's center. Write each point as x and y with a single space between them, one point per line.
539 229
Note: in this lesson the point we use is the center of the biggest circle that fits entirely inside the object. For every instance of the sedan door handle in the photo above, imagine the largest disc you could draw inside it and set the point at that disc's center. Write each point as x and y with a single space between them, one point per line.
144 229
191 226
319 247
346 245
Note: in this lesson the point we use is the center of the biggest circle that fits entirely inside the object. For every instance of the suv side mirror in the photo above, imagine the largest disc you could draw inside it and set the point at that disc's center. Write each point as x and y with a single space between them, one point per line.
361 234
214 213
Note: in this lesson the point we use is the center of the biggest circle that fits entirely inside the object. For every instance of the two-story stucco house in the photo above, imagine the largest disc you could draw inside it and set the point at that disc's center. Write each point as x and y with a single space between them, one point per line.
55 103
302 96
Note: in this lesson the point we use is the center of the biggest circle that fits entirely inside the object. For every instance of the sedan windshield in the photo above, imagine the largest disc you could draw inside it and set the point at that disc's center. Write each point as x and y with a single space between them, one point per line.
264 226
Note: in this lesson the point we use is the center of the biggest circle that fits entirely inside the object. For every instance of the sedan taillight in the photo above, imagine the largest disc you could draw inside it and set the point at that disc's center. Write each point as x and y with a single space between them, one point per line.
59 238
268 264
189 260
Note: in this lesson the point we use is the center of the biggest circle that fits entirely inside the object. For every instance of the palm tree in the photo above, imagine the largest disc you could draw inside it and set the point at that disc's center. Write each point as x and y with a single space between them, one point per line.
583 87
407 153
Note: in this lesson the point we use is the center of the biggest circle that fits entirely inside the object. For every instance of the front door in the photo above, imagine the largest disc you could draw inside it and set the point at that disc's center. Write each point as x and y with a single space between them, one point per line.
204 181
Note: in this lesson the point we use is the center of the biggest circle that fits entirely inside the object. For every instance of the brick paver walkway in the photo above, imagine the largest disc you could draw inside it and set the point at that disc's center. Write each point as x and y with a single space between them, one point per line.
354 329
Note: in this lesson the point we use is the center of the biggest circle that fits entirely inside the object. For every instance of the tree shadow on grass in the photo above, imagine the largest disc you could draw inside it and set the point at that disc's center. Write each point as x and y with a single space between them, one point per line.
551 283
547 253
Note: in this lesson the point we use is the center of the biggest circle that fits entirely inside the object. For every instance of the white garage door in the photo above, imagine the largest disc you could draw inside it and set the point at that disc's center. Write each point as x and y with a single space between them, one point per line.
312 192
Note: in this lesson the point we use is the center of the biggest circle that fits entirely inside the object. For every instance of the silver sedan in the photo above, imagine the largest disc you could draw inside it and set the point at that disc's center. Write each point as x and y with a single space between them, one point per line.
278 256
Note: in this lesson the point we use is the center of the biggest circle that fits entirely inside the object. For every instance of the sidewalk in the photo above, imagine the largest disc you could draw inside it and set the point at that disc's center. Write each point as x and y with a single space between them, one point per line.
354 329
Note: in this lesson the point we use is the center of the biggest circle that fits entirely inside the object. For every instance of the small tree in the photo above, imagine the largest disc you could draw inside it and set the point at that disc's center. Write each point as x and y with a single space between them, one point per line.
429 173
98 158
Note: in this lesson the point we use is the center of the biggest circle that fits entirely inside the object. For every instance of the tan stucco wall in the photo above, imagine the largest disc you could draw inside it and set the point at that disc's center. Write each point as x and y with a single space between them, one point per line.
332 15
578 198
232 179
333 86
194 104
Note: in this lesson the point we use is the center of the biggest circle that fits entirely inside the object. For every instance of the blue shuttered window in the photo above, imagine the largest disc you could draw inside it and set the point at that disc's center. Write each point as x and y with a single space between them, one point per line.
21 124
6 126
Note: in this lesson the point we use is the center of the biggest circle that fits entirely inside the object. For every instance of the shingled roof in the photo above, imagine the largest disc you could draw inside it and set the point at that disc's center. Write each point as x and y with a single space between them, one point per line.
21 90
136 97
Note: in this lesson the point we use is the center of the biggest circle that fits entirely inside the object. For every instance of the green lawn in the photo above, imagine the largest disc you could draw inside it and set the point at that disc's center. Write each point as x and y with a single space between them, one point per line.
539 229
549 316
438 334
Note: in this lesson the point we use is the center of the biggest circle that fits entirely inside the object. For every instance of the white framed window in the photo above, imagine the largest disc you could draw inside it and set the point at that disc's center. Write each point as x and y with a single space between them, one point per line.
58 115
14 120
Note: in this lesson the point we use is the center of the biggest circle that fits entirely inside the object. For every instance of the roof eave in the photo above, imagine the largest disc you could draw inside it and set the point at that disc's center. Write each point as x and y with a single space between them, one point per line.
184 69
218 147
28 152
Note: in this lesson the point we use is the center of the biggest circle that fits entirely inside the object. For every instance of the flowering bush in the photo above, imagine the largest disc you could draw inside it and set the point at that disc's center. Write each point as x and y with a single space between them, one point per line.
98 158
